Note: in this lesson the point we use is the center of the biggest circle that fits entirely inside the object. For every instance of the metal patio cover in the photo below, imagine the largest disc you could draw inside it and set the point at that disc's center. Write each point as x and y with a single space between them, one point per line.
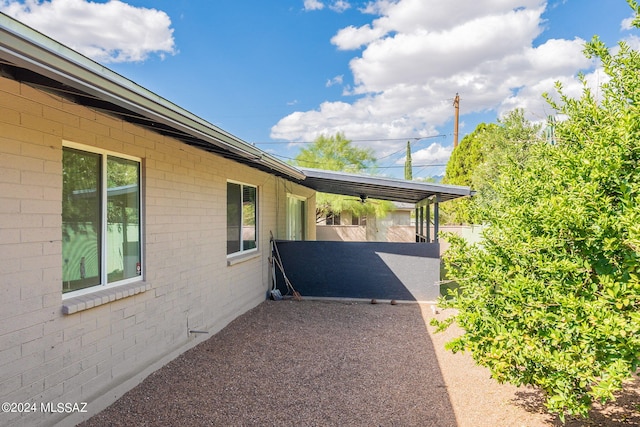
397 190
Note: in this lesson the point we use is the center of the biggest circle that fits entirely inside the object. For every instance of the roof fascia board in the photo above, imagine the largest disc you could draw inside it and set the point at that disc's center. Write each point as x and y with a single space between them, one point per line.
388 182
33 50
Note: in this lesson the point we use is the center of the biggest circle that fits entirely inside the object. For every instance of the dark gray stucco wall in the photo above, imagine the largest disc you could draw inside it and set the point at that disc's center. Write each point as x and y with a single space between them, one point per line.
380 270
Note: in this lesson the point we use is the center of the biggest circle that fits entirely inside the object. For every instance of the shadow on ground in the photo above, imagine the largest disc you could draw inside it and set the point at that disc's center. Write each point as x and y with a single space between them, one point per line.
315 363
308 363
625 411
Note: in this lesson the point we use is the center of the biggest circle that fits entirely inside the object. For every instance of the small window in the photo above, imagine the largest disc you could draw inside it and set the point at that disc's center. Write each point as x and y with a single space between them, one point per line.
358 220
101 221
242 210
333 218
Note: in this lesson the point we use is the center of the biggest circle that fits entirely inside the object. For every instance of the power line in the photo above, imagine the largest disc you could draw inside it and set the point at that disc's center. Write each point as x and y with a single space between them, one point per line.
392 154
367 167
402 166
415 138
400 152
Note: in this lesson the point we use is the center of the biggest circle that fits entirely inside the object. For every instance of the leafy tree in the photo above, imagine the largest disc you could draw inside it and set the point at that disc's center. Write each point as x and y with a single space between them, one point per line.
335 153
552 296
465 159
478 159
338 154
468 155
504 145
80 189
81 174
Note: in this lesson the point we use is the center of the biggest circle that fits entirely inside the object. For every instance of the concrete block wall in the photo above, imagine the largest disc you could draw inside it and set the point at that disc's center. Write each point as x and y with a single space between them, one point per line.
111 342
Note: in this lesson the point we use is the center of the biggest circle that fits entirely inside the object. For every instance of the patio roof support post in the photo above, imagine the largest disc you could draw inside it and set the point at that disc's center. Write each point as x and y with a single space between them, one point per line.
417 209
422 223
428 220
436 218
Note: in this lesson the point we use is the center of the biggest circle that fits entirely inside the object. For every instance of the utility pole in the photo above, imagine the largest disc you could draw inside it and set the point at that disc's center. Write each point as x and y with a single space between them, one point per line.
456 119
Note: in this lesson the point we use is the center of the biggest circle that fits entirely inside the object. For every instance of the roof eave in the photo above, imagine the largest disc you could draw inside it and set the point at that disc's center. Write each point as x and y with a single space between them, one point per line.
30 49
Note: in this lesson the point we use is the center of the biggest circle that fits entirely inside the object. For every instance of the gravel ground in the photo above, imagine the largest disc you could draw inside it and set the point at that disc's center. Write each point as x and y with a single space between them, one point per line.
317 363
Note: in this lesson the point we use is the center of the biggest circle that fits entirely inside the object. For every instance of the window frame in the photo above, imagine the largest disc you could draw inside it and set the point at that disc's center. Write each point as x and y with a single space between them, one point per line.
331 218
103 276
303 216
243 251
358 220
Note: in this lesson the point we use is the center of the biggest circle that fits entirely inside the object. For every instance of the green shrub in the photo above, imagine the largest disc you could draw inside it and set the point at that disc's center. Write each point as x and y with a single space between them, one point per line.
552 297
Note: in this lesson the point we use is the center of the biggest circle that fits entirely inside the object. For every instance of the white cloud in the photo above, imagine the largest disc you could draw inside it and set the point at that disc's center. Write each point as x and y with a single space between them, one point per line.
428 161
410 56
627 24
337 80
339 6
378 7
313 5
417 54
434 154
352 38
106 32
633 42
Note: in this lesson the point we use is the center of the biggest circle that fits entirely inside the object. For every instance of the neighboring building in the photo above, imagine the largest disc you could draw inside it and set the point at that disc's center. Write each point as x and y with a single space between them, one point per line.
396 226
126 224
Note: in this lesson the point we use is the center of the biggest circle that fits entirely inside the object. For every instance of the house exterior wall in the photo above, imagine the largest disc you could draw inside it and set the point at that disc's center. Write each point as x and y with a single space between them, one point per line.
471 233
401 233
392 228
105 347
341 233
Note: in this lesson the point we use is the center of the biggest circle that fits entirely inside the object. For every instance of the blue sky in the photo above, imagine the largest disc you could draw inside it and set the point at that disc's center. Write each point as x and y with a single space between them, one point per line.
381 71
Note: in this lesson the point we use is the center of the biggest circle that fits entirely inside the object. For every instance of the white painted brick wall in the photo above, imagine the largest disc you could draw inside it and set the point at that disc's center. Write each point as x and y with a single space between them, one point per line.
98 353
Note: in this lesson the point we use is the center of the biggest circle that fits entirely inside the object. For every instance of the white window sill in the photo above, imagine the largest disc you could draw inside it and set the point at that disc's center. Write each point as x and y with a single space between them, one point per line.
240 258
103 296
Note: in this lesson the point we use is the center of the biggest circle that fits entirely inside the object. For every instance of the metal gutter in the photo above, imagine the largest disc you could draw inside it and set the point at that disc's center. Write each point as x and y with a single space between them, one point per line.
32 50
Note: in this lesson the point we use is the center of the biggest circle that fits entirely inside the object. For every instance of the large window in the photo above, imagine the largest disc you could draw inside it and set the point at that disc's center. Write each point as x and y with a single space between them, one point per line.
241 218
100 218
